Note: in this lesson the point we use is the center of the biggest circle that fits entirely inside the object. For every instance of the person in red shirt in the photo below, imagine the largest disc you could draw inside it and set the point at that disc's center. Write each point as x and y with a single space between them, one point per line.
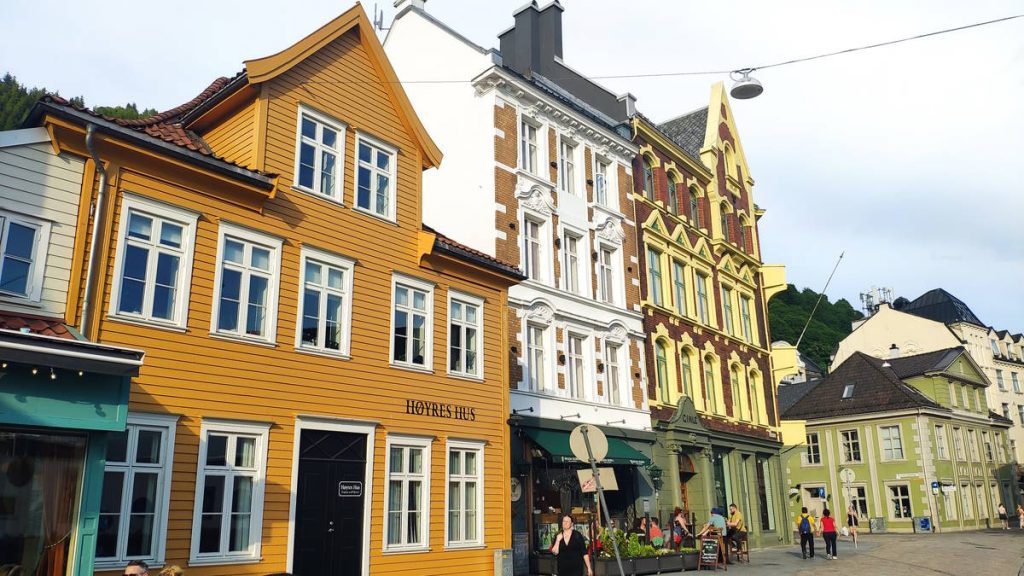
828 533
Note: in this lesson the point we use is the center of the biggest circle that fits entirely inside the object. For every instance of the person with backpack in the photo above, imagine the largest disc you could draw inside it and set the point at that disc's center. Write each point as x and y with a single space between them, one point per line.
805 526
828 533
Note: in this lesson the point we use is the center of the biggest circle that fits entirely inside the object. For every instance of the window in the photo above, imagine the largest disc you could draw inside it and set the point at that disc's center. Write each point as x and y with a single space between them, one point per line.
661 359
709 384
606 275
702 298
899 499
1016 383
987 443
965 400
465 331
741 229
745 319
136 491
679 287
965 500
694 208
892 444
533 251
577 366
23 246
958 444
851 445
567 168
727 311
737 399
408 492
612 376
1006 409
571 256
995 347
848 391
375 177
755 403
528 147
999 379
465 493
411 330
972 443
228 520
535 357
979 494
764 492
320 144
1020 413
326 304
247 282
654 276
813 448
977 400
859 499
724 213
673 200
153 262
952 394
684 360
601 182
1000 447
941 447
648 178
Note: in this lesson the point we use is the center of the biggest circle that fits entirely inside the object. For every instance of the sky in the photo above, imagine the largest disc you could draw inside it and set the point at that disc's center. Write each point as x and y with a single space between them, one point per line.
907 159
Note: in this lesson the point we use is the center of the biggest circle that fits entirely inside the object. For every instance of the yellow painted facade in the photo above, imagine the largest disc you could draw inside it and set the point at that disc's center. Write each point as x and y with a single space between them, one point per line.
198 373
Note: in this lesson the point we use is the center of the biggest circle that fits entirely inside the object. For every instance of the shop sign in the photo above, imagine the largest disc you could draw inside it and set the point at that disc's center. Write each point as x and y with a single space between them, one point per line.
588 484
907 475
686 417
350 489
440 410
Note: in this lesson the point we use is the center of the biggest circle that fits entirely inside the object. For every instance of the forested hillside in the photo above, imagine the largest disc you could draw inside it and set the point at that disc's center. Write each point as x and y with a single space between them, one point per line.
788 312
16 101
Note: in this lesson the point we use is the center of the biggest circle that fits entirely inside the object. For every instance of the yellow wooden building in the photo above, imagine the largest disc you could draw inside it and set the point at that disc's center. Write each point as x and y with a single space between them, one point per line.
325 385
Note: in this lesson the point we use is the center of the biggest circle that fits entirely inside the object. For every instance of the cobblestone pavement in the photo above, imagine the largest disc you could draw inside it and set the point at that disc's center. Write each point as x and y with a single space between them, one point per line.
987 553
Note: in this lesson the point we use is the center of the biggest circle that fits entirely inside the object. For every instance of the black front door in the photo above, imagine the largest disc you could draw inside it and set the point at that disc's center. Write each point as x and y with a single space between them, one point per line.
329 504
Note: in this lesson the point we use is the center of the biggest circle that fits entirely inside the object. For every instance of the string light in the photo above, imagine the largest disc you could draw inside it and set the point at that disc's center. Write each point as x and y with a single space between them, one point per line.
35 371
53 375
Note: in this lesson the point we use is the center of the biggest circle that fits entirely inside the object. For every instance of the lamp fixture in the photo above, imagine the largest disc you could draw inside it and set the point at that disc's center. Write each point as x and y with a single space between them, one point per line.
610 422
565 416
53 375
745 87
518 410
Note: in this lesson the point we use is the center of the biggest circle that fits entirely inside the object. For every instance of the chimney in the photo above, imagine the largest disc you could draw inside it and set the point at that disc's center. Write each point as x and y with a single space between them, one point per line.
894 351
629 104
403 4
533 43
550 41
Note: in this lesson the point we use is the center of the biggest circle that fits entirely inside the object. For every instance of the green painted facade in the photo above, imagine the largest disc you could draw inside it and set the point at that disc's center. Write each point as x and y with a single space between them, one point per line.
950 463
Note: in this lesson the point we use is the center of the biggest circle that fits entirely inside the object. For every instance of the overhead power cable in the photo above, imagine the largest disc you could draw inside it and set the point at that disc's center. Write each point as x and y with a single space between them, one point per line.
714 72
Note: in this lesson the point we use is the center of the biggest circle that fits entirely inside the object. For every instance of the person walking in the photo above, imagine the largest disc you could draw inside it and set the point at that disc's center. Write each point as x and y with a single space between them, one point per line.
1002 516
571 550
805 526
1020 515
852 522
828 533
679 527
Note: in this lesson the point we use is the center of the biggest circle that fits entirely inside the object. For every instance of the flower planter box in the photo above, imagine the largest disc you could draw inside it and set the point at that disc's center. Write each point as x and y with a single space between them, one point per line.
543 564
608 567
691 560
670 563
646 565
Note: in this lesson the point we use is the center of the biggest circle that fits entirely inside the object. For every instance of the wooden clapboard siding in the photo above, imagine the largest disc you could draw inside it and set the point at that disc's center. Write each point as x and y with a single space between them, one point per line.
235 138
36 182
196 375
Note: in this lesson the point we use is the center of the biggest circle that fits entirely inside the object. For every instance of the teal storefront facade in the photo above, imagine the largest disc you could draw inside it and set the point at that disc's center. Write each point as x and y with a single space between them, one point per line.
59 399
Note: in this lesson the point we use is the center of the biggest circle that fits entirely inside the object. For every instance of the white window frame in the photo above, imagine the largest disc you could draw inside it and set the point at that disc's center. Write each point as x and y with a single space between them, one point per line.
268 242
568 157
613 369
745 321
727 319
167 424
544 370
539 269
524 142
1015 381
704 311
467 300
339 164
890 496
655 286
40 250
846 444
941 445
999 380
808 453
160 211
577 390
261 431
409 441
605 180
986 446
428 352
679 286
959 453
972 445
392 174
966 503
580 268
327 260
463 446
882 439
608 274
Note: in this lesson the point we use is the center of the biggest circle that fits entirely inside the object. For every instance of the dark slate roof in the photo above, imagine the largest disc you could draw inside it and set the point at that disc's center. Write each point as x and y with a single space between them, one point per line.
810 365
918 364
876 389
552 89
1000 418
941 306
791 393
687 131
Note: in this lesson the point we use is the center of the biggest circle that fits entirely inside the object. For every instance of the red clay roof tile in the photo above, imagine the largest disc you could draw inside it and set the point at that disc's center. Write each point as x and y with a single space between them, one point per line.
35 325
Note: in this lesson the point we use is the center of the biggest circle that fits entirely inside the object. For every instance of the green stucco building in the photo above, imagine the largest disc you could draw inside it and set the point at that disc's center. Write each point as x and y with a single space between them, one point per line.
909 441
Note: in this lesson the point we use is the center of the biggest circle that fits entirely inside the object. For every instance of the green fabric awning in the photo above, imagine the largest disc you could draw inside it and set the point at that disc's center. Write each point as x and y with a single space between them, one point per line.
556 444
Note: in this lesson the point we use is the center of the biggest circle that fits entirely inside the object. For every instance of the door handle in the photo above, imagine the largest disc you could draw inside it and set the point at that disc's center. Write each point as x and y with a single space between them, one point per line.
330 529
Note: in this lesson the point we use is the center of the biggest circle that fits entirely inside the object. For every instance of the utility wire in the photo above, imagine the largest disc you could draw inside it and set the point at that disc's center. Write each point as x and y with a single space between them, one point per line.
820 296
711 72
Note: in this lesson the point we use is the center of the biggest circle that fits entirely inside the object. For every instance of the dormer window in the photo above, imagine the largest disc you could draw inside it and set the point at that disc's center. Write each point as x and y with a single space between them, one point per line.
318 161
848 391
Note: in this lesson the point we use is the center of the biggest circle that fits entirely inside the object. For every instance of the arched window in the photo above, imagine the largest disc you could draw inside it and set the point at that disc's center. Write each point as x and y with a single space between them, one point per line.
685 368
694 208
648 178
734 383
661 359
730 162
755 406
724 211
711 402
673 200
742 233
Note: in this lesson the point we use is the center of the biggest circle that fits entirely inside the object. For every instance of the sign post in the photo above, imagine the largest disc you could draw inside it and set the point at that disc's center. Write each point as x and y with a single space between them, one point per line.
601 447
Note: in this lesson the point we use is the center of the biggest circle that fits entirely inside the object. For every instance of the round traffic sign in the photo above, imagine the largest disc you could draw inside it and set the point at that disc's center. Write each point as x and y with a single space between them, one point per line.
598 443
847 475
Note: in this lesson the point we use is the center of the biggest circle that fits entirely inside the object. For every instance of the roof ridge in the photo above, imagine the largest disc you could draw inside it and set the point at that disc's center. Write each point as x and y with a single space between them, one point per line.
685 114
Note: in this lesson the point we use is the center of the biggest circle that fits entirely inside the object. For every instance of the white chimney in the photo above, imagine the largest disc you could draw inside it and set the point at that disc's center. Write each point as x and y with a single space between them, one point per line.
402 4
894 351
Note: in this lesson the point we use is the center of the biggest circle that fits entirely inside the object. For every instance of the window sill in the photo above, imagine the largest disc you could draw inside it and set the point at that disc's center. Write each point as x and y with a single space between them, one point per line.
469 546
412 368
20 300
146 323
375 216
461 376
99 566
395 551
242 340
222 561
318 195
323 353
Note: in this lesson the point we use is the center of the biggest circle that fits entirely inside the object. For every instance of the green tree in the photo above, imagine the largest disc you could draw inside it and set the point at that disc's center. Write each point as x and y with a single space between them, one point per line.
127 112
788 313
16 102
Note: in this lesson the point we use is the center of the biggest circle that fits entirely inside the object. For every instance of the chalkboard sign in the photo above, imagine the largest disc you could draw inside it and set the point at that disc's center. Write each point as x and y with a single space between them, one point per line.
710 547
521 553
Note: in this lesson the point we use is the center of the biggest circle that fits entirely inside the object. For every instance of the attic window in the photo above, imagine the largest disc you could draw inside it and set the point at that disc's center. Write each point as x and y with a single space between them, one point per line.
848 391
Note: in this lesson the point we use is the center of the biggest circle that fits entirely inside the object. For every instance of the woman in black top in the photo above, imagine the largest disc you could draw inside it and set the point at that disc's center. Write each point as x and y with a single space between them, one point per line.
571 550
851 523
